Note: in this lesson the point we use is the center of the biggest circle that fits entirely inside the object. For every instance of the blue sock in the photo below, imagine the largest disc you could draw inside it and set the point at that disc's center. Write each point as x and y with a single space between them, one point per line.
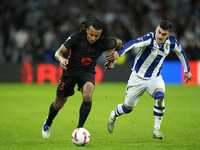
121 109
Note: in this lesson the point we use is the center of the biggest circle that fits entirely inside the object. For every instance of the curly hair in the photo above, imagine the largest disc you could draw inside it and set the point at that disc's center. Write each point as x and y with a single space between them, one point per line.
96 23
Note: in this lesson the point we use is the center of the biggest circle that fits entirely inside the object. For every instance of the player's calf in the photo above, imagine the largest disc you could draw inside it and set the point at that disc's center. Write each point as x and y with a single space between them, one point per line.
159 109
121 109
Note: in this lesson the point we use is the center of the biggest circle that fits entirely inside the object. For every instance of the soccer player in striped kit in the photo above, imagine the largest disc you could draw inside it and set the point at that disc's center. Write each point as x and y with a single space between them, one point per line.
146 69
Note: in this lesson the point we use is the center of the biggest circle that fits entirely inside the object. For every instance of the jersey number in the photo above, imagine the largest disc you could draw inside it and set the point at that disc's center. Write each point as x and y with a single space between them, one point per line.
61 85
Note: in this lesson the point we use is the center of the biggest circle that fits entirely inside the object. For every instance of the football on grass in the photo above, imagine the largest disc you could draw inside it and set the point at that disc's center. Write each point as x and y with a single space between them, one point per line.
80 137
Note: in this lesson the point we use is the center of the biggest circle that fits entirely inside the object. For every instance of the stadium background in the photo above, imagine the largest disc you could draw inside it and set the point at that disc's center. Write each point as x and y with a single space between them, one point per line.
32 30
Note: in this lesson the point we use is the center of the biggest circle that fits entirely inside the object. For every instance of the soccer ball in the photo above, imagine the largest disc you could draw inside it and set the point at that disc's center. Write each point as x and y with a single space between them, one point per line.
80 137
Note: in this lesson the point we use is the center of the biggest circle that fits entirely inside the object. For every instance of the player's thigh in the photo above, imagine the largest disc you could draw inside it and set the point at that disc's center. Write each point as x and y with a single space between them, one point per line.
66 87
135 89
132 95
89 77
155 83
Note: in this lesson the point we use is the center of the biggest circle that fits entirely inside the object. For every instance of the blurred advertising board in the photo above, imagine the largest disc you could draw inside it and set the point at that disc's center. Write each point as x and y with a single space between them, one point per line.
172 72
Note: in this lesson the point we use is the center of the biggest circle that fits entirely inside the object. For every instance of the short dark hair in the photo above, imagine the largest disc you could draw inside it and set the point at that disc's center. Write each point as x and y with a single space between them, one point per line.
166 25
96 23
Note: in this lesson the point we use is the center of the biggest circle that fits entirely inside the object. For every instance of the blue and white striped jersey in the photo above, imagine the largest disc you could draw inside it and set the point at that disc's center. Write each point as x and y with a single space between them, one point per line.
149 60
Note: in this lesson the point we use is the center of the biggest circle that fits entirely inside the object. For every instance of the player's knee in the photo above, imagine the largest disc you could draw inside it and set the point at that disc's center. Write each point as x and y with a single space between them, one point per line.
159 95
59 103
87 97
159 99
58 106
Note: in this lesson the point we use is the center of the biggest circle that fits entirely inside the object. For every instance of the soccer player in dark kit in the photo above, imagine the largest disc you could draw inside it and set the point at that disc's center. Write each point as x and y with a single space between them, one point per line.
85 47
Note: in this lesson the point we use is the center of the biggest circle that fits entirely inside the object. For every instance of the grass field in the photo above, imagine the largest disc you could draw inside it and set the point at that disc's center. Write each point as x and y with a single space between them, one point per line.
23 110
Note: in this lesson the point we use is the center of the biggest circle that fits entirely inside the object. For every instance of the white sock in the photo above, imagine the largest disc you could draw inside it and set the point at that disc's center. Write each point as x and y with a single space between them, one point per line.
118 110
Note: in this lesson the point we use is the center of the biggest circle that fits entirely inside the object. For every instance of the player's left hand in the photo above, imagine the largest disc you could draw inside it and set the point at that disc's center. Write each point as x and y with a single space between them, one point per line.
109 65
114 56
188 77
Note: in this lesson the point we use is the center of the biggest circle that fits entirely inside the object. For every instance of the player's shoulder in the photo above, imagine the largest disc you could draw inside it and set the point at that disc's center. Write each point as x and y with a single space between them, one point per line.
172 40
150 34
171 37
106 41
76 36
147 36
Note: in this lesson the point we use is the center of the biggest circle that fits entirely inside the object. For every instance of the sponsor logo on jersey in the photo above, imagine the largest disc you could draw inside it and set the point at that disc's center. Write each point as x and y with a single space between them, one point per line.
86 60
157 51
153 50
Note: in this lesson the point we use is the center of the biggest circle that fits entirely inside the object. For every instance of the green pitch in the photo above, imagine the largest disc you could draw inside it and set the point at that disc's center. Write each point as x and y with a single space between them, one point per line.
23 110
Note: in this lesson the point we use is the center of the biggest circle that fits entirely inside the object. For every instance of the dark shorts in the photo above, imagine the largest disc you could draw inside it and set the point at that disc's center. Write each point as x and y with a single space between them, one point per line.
66 84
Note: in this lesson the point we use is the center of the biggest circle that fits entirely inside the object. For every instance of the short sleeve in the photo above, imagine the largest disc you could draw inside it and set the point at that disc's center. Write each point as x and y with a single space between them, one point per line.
111 43
70 42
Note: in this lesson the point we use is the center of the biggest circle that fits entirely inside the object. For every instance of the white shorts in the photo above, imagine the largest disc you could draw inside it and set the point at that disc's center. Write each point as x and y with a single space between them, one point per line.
137 86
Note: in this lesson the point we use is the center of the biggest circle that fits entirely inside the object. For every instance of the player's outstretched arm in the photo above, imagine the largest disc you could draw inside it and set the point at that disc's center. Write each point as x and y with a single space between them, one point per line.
188 77
110 63
119 44
113 56
111 59
59 56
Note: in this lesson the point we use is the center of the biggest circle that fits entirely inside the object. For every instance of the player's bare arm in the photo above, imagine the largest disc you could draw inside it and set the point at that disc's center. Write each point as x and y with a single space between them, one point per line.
110 64
59 56
188 77
111 59
119 44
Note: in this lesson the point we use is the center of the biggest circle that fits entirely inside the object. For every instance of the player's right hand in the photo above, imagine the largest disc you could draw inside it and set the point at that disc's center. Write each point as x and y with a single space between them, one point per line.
188 77
63 64
109 65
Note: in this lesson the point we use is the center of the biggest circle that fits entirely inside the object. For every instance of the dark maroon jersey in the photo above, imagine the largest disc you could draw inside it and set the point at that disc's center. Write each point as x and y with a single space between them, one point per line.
83 55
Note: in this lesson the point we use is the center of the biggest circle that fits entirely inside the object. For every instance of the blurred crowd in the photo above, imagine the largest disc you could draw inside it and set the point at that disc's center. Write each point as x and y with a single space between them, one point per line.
34 29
